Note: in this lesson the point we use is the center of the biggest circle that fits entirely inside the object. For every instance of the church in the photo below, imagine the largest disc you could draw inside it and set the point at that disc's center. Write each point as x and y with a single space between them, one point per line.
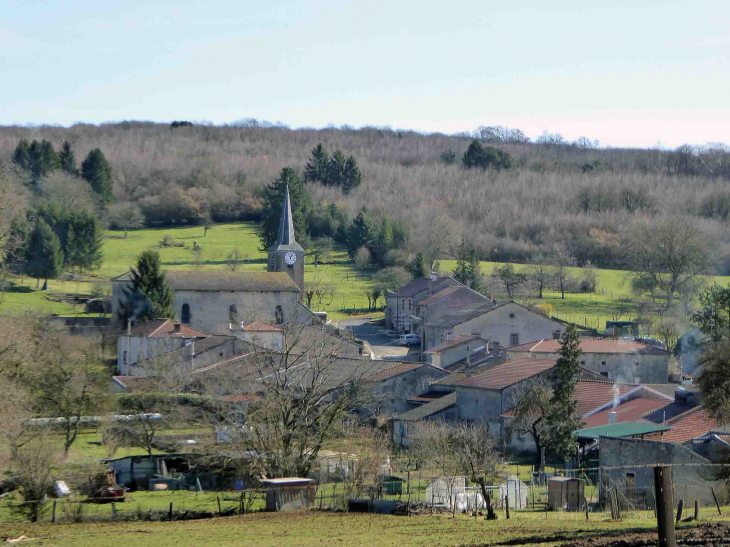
215 301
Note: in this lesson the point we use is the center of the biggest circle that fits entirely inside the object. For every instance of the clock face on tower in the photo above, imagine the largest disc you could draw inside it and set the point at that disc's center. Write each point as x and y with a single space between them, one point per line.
290 258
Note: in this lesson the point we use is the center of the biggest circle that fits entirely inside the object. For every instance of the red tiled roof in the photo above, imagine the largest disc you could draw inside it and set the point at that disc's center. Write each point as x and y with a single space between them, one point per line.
258 326
507 374
399 368
164 328
462 339
593 395
590 345
687 426
437 296
628 411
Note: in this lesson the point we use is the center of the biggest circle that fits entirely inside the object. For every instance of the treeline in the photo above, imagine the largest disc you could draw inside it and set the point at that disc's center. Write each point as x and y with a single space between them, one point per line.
523 198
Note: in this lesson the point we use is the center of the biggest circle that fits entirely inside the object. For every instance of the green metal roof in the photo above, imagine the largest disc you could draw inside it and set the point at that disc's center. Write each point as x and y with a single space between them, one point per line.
625 429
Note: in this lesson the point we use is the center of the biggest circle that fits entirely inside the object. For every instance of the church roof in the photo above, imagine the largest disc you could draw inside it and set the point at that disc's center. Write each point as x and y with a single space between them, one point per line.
225 281
286 241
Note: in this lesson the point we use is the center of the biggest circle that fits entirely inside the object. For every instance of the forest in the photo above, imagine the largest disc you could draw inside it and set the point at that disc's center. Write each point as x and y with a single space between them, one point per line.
493 190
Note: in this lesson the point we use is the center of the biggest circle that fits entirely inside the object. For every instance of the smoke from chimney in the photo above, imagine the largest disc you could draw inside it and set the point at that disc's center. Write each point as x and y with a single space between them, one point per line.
612 417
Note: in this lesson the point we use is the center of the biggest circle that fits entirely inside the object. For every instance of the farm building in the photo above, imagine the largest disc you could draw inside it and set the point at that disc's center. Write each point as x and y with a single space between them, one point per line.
289 494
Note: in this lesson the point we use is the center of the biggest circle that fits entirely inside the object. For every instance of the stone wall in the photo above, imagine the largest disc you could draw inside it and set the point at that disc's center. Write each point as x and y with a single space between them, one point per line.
391 396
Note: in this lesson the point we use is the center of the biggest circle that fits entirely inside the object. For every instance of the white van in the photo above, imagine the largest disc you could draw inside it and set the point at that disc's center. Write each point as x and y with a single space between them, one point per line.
410 340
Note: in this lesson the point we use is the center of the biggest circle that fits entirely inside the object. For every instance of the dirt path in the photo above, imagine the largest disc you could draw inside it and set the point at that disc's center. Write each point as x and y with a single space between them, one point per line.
708 535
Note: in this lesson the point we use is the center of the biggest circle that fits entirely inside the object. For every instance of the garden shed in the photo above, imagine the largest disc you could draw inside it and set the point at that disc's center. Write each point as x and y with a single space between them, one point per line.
567 493
289 493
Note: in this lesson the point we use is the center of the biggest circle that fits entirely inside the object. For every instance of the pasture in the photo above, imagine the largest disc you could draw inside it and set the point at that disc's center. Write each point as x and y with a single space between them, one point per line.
223 239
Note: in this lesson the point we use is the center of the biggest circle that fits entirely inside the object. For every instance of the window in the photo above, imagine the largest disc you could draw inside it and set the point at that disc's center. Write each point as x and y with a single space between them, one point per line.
604 374
630 481
511 315
514 339
124 359
185 315
582 363
603 363
409 304
233 313
556 335
279 315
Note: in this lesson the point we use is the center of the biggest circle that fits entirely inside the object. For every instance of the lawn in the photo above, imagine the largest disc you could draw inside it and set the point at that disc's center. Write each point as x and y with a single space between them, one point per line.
120 253
310 528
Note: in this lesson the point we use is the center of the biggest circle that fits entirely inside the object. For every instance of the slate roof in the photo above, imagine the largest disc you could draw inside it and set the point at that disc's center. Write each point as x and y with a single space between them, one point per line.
627 411
457 341
687 426
163 328
507 374
429 409
286 240
258 326
592 345
225 281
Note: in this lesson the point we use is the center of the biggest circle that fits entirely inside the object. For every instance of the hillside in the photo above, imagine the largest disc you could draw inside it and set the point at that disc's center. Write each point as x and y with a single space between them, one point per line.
576 194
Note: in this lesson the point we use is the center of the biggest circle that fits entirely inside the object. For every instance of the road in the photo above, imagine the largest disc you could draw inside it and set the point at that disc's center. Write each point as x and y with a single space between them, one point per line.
384 346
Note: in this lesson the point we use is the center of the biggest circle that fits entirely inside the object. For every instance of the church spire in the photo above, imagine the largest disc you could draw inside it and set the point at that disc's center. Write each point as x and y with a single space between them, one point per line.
286 228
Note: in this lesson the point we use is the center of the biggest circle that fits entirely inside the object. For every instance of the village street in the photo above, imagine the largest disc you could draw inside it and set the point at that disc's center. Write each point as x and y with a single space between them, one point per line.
384 345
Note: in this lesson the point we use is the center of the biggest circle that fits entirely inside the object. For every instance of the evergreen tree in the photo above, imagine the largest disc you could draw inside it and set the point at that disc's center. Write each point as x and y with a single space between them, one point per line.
273 202
476 279
67 160
384 242
316 168
84 242
486 157
352 176
150 296
362 233
44 256
98 173
562 419
418 267
21 156
461 271
336 169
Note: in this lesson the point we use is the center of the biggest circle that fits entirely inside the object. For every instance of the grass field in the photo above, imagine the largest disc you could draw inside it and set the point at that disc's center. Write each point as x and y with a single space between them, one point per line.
313 528
120 253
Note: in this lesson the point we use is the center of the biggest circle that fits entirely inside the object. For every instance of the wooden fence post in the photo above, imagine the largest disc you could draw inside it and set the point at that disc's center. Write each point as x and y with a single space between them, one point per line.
114 511
53 517
169 514
717 503
680 506
219 504
506 506
665 504
697 510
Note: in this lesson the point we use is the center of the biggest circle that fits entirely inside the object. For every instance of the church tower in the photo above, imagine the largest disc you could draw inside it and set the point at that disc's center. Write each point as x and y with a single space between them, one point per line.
286 255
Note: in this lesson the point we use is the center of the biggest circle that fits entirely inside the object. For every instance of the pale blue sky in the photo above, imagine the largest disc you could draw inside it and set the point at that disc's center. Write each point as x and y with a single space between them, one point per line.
626 72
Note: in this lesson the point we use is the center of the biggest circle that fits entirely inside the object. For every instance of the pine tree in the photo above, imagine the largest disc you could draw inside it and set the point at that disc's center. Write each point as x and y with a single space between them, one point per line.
273 202
486 157
418 267
476 279
98 173
84 242
336 169
44 258
362 233
21 156
67 160
316 168
461 271
352 176
150 296
384 242
562 419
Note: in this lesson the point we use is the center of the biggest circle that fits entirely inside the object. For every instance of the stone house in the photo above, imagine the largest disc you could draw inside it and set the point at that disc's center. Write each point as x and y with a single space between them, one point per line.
456 350
392 387
263 335
619 360
401 304
506 323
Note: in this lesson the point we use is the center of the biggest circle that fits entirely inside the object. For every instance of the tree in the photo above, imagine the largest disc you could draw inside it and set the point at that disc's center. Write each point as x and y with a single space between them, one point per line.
233 258
562 419
21 156
448 157
35 462
150 296
510 278
273 202
486 157
540 272
352 176
391 278
477 456
336 169
468 270
418 267
316 168
561 260
669 253
298 402
125 216
667 329
532 407
67 160
714 380
362 259
713 317
44 256
42 159
320 250
436 235
362 233
95 169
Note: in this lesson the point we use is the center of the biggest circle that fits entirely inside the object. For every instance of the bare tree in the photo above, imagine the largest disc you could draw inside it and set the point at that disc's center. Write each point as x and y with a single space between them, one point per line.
667 329
509 278
125 216
531 407
541 272
436 236
233 259
669 253
477 456
366 450
34 464
362 259
562 260
434 445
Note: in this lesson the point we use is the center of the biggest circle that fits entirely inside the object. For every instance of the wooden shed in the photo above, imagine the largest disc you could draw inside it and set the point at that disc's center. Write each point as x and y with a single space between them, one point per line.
289 494
566 493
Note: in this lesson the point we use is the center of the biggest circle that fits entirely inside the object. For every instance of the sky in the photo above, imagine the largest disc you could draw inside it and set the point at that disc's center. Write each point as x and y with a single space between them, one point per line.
626 72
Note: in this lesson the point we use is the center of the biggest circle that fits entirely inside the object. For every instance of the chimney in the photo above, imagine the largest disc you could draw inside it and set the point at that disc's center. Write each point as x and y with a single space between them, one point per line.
496 347
176 328
430 284
468 362
449 336
612 417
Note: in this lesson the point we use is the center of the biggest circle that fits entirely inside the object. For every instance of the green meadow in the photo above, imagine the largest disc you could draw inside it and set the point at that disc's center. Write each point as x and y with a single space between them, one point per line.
222 239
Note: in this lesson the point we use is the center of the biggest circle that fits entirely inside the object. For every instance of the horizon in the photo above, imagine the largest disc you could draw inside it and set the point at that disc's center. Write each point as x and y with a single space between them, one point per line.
628 76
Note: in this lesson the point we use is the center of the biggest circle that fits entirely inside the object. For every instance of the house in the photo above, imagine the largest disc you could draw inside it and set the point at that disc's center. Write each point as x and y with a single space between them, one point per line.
624 361
506 323
446 300
151 339
264 335
392 387
211 301
401 304
456 350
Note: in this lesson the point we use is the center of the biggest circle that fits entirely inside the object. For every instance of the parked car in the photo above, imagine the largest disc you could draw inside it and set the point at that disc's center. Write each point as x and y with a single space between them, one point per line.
410 339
